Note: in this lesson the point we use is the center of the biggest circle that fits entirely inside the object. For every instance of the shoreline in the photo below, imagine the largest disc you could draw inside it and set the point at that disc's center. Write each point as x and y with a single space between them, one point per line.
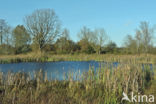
148 59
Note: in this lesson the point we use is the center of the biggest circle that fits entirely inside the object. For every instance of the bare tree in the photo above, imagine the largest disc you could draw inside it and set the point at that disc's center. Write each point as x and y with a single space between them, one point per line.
65 34
130 44
96 38
143 40
147 35
139 43
4 30
100 38
44 26
63 40
85 34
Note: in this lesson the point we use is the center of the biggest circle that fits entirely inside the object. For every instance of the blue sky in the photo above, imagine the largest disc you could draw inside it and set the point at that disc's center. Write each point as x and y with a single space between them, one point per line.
117 17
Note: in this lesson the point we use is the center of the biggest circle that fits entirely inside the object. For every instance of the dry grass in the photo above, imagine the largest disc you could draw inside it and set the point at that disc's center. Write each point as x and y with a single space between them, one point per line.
105 86
80 57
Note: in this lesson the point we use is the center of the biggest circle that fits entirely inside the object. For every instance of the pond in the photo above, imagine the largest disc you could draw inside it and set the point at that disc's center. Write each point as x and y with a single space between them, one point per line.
55 70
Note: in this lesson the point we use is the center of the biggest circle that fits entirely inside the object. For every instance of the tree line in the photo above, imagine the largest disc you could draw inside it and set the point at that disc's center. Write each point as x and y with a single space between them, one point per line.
42 32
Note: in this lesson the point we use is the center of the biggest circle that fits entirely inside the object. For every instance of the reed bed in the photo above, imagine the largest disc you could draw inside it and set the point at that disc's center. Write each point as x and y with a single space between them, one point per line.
103 86
148 58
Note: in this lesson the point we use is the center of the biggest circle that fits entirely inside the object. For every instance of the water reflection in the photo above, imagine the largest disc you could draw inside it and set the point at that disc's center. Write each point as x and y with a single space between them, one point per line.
57 70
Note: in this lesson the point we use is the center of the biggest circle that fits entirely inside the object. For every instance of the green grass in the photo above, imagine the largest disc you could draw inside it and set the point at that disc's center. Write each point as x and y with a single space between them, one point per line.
105 86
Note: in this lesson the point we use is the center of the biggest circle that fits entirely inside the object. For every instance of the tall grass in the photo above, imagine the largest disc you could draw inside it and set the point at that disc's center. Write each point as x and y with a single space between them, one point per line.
103 86
34 57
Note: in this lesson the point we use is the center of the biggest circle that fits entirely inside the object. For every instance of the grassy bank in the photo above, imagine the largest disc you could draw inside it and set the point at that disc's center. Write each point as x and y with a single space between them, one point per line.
105 86
80 57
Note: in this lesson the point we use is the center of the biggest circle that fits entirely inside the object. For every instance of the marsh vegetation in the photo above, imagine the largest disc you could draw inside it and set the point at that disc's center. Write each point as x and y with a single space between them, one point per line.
41 39
104 85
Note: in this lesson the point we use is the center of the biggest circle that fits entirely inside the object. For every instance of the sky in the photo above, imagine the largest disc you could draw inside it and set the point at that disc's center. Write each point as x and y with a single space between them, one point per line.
118 17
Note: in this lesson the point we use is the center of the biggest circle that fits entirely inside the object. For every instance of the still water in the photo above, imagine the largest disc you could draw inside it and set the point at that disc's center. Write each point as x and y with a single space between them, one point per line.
55 70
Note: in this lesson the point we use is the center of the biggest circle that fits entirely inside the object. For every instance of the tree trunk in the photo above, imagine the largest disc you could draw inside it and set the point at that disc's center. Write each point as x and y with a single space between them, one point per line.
1 39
